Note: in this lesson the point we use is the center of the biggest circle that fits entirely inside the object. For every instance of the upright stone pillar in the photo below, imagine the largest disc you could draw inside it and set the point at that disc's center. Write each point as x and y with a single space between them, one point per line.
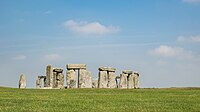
60 80
22 81
71 78
45 82
107 77
54 79
103 79
85 79
136 80
117 79
38 83
123 80
49 76
111 80
130 78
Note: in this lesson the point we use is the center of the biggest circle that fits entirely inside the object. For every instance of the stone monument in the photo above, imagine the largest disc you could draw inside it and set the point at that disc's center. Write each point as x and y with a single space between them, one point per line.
107 77
22 81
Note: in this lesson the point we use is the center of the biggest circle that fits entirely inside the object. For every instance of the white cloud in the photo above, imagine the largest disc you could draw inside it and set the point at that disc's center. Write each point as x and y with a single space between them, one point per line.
176 52
189 39
191 1
89 28
52 57
19 57
166 51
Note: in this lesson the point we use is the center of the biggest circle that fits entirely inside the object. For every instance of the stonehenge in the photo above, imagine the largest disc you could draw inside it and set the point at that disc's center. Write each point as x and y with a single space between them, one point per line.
54 78
106 77
84 76
129 79
22 81
77 76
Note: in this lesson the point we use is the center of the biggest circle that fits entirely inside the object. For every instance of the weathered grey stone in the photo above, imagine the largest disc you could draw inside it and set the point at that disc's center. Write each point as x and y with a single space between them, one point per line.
76 66
136 80
127 71
71 79
45 82
60 80
130 79
117 79
95 84
54 79
85 79
41 77
111 80
49 76
58 70
103 79
110 69
38 83
22 81
123 80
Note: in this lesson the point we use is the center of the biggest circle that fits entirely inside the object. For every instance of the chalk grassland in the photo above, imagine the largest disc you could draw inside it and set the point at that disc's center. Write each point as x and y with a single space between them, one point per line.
100 100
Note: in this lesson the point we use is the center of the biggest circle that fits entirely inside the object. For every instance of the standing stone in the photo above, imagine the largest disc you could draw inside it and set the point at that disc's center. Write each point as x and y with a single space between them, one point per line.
95 84
117 79
22 81
49 76
38 83
130 79
123 80
60 80
71 78
103 79
45 82
54 79
111 80
85 79
136 80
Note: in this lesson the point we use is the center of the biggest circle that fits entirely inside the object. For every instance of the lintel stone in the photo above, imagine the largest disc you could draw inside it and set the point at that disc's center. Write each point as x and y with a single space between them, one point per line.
76 66
59 70
40 77
127 71
110 69
136 73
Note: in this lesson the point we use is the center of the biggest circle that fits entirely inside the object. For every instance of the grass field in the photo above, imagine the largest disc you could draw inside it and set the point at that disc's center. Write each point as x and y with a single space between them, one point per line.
102 100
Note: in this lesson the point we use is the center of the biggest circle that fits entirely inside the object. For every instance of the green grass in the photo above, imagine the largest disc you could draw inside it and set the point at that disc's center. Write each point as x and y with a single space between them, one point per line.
102 100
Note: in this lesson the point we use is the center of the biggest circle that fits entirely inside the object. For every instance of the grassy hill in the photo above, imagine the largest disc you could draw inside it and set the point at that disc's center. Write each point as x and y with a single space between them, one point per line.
102 100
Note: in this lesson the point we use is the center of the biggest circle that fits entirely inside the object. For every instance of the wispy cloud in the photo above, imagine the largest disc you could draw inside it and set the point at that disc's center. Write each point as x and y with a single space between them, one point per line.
53 57
195 38
191 1
90 28
19 57
166 51
176 52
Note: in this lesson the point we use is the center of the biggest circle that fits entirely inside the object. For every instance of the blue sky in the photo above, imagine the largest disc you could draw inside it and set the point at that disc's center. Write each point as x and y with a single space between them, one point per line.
158 38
